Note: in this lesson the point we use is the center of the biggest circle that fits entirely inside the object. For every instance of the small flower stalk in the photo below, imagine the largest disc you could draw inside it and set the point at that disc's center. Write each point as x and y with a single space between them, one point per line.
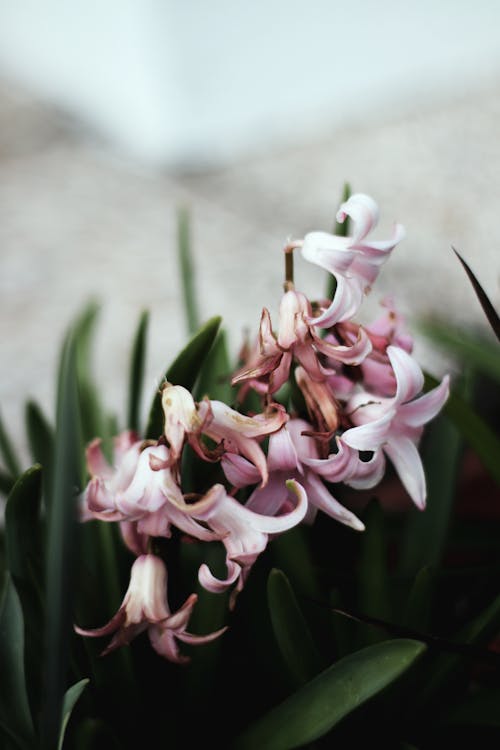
336 400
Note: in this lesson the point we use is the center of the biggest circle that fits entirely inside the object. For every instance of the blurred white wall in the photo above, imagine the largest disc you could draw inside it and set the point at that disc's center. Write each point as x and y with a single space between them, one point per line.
179 82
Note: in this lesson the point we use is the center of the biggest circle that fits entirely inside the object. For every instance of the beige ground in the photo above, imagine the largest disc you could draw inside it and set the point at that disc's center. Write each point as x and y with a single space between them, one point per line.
75 222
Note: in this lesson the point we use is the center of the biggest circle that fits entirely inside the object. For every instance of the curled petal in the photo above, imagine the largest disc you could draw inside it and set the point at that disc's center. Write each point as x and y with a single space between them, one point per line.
345 304
348 355
217 585
367 474
369 437
406 459
329 251
239 471
425 408
409 376
323 500
363 212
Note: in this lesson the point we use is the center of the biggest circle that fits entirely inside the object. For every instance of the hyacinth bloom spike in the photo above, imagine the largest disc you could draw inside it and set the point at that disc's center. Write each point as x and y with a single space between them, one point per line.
145 607
354 261
395 424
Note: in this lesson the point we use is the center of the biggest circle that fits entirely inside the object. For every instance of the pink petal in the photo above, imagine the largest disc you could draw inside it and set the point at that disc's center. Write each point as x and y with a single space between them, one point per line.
329 251
239 471
217 585
367 474
369 437
363 212
407 462
269 500
425 408
322 499
409 376
282 455
96 462
348 355
345 304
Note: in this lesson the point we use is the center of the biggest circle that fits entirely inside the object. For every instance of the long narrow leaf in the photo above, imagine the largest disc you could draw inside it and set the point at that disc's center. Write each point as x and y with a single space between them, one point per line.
426 533
184 370
15 716
292 633
40 438
70 699
6 482
7 452
318 706
373 596
484 301
136 376
479 353
61 544
187 271
473 429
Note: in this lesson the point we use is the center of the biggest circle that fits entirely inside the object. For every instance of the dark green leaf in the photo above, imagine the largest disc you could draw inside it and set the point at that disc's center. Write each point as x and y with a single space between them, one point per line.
22 526
8 453
15 716
187 271
469 347
426 533
136 376
478 709
41 439
215 375
184 371
484 301
6 482
473 429
291 630
70 699
418 606
322 703
373 587
61 541
478 632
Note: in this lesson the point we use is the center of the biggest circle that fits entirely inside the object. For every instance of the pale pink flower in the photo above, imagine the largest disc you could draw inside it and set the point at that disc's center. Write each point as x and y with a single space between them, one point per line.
354 261
395 424
293 454
135 491
243 532
297 340
145 607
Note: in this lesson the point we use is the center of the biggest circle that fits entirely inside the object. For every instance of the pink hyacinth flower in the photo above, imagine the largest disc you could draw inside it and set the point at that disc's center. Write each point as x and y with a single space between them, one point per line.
135 491
395 424
292 454
243 532
297 339
145 607
354 261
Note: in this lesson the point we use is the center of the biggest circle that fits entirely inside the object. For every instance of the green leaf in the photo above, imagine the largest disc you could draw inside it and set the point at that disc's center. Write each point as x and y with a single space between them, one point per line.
40 438
373 588
136 376
187 270
418 606
6 482
22 526
184 371
318 706
215 375
478 632
473 429
61 542
90 409
426 533
291 630
70 699
488 309
24 560
8 453
470 347
478 709
15 716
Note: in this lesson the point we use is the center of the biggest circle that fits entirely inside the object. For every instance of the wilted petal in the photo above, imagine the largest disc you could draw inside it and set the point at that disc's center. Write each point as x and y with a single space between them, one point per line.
181 416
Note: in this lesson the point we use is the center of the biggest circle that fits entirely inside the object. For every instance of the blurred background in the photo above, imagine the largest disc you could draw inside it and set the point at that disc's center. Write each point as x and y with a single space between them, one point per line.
115 114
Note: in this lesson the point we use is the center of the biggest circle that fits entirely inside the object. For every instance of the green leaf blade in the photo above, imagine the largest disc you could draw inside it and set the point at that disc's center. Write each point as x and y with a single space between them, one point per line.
71 697
184 371
318 706
136 377
291 630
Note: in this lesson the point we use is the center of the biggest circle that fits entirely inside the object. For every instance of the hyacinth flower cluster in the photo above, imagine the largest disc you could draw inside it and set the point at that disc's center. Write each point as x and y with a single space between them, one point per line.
362 392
